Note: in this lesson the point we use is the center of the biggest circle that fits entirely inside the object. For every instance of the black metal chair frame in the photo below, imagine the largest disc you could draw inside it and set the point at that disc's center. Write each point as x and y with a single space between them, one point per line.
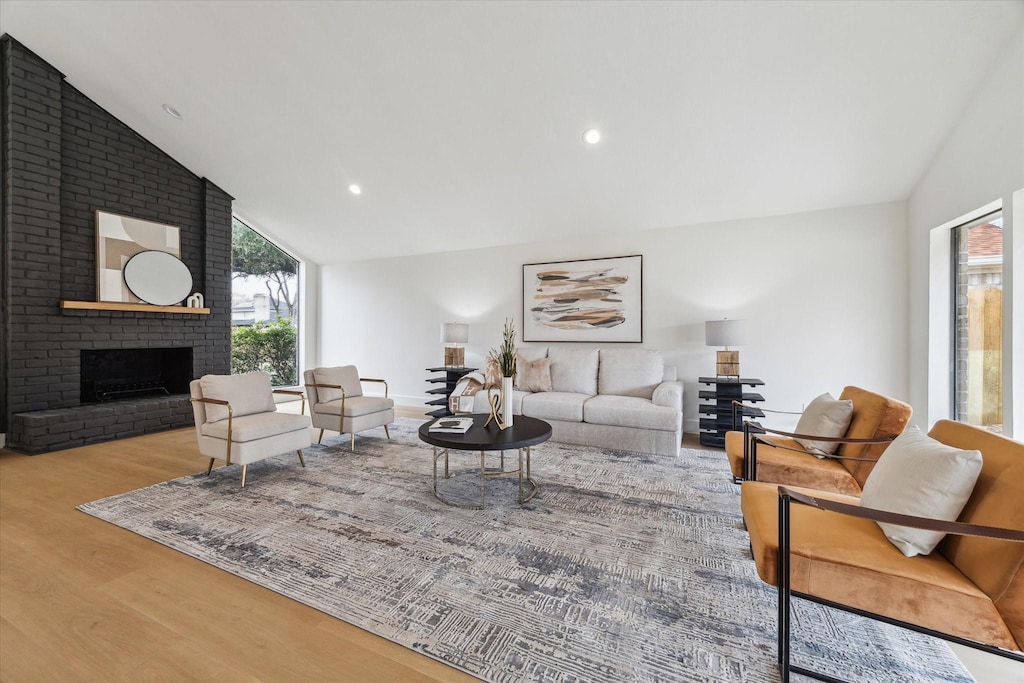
750 445
785 592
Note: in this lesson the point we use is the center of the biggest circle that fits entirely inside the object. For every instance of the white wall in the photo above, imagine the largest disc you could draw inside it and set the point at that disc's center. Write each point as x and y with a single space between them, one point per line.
982 162
824 294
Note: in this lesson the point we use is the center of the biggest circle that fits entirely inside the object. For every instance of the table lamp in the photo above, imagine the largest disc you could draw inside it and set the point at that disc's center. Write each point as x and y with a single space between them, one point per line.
726 333
453 334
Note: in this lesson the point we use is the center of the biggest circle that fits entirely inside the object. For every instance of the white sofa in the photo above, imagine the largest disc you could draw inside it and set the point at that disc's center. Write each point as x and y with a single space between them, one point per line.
625 399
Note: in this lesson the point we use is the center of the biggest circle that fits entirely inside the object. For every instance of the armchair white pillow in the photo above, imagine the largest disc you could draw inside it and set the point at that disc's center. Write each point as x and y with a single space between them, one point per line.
824 416
345 376
919 476
247 393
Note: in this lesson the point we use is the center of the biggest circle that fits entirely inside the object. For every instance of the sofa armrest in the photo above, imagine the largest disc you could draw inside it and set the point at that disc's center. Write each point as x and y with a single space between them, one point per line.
669 395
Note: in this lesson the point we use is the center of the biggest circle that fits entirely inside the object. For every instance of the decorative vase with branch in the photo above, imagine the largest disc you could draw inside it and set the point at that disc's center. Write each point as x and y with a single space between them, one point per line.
505 358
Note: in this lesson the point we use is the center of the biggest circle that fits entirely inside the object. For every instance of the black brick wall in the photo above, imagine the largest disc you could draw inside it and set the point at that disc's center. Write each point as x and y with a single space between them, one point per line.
64 159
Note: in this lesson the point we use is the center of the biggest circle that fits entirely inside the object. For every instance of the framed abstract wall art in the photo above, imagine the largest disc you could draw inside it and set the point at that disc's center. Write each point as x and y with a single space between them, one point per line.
118 239
597 300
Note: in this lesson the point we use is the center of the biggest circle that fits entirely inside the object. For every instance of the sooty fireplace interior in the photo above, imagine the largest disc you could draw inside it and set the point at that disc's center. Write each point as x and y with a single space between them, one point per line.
109 374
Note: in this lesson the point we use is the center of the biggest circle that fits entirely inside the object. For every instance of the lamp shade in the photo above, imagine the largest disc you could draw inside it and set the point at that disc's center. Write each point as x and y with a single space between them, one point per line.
454 333
725 332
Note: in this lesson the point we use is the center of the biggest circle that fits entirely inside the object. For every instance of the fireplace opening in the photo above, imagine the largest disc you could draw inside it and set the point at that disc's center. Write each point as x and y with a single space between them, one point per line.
111 374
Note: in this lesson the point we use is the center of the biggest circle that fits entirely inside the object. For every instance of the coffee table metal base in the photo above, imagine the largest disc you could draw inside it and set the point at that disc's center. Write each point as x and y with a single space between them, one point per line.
528 488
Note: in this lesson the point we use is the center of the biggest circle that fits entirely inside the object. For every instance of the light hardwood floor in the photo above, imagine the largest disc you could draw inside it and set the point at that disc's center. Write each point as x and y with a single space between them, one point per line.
83 600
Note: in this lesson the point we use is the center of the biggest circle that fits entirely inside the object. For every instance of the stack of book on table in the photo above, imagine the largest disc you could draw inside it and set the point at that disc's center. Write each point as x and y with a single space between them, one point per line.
451 425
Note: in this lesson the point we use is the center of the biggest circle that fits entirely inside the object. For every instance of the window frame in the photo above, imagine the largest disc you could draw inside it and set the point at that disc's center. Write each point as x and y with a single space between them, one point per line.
300 307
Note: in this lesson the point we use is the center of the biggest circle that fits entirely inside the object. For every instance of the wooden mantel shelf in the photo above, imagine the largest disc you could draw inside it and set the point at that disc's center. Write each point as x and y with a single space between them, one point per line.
138 308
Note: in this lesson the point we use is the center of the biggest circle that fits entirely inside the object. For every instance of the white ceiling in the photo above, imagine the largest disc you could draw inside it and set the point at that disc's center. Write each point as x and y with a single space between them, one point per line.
463 121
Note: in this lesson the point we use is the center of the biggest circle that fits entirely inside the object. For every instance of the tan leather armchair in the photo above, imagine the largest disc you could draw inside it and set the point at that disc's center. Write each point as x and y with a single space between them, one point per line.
237 420
761 453
336 402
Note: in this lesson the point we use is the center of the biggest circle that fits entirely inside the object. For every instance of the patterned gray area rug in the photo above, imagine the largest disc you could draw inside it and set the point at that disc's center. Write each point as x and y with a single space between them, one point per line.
625 567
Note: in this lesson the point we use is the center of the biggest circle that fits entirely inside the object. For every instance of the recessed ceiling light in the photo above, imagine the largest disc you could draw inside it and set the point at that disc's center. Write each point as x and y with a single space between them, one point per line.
355 189
592 136
171 111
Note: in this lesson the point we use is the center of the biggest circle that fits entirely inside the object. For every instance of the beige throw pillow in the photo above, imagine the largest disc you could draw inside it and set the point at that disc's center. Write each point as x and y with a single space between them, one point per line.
344 376
917 475
535 376
247 393
824 416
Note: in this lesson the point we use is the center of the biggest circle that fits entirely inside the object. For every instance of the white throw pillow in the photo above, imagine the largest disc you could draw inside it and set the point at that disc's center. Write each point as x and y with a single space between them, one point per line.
248 393
345 376
824 416
920 476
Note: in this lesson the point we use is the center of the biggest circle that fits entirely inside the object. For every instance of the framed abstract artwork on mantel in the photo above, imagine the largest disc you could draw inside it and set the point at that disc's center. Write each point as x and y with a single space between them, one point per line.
595 300
118 239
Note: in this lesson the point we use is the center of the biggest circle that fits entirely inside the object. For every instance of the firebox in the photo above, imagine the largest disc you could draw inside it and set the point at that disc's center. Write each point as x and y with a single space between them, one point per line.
110 374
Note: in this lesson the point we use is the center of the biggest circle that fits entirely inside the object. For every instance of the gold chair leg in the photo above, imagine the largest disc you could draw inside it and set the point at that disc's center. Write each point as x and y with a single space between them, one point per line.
321 437
209 468
243 475
352 447
301 461
386 432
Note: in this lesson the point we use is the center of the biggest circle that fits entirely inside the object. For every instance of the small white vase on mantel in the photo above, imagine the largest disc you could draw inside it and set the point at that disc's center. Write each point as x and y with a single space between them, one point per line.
506 401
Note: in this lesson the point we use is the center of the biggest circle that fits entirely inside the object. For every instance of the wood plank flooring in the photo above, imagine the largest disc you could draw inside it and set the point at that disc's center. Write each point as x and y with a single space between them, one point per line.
83 600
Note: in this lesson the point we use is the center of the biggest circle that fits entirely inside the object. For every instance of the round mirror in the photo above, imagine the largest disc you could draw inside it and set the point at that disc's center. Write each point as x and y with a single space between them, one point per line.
158 278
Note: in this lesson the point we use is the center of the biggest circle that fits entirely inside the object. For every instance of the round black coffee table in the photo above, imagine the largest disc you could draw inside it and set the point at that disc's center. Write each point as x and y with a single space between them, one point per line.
524 433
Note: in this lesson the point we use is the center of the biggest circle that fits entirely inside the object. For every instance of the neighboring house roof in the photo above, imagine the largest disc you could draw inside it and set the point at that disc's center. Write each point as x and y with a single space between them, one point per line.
984 240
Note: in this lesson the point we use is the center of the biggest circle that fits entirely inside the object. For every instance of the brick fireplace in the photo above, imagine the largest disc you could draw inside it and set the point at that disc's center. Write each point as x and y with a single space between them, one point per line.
64 158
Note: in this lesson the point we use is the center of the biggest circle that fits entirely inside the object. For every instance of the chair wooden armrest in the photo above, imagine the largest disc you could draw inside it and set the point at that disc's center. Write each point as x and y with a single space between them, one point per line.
294 392
382 381
216 401
326 386
220 402
755 429
785 592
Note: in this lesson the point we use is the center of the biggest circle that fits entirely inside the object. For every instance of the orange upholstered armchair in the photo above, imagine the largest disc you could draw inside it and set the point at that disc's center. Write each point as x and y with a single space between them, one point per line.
969 589
761 453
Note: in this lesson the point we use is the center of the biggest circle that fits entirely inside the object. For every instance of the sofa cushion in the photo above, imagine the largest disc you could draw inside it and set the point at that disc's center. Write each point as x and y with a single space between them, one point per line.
789 465
919 476
574 371
247 393
256 426
630 411
345 376
865 570
824 416
356 406
630 372
533 375
555 405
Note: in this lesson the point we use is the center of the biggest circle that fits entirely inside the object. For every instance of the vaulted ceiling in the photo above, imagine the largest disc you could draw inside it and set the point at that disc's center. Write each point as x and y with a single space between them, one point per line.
462 122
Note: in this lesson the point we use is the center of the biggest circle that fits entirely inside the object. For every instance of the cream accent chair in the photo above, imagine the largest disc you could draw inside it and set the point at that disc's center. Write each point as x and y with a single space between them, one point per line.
237 420
336 402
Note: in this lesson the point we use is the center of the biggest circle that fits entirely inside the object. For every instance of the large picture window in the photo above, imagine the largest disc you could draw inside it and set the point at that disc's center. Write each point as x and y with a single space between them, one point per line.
264 307
977 251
